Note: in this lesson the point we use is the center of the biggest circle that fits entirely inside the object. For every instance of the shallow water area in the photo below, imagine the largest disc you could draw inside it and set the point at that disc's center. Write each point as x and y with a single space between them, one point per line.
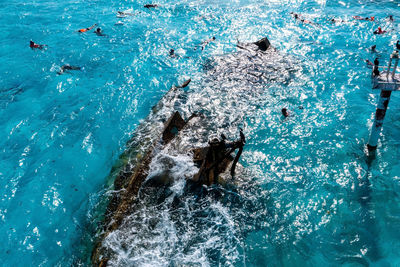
312 198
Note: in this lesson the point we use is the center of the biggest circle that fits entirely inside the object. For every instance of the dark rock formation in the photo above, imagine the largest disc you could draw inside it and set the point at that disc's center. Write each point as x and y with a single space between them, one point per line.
263 44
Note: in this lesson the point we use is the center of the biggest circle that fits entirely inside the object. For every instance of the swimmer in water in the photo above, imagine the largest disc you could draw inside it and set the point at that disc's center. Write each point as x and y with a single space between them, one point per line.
337 21
206 42
379 31
297 17
398 45
373 49
33 45
67 67
390 18
99 32
285 112
122 14
87 29
366 18
150 6
172 53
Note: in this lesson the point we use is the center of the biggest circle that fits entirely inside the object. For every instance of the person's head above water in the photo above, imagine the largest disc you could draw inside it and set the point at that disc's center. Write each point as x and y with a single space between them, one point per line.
398 45
373 47
285 112
98 30
376 62
296 16
379 31
32 44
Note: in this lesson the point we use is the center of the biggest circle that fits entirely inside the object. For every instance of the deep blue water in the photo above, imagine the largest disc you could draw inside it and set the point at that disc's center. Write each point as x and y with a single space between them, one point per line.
61 134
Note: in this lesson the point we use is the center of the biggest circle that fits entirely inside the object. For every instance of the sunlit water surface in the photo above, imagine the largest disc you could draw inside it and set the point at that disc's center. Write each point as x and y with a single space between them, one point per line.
311 196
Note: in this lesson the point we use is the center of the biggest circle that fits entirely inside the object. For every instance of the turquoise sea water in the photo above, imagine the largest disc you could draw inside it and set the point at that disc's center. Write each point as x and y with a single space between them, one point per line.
314 199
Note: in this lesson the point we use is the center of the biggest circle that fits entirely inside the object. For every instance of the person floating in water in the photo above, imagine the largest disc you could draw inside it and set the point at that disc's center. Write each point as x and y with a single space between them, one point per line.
338 20
373 49
122 14
380 31
33 45
150 6
172 54
285 112
87 29
362 18
206 42
99 32
67 67
297 17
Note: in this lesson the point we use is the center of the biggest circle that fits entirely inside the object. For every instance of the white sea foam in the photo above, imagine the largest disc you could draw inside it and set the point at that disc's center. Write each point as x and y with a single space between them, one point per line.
175 169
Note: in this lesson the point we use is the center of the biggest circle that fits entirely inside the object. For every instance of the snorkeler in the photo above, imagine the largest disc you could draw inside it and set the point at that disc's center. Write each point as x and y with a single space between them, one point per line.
122 14
337 20
99 32
67 67
379 31
34 45
87 29
206 42
366 18
150 6
172 53
297 17
285 112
